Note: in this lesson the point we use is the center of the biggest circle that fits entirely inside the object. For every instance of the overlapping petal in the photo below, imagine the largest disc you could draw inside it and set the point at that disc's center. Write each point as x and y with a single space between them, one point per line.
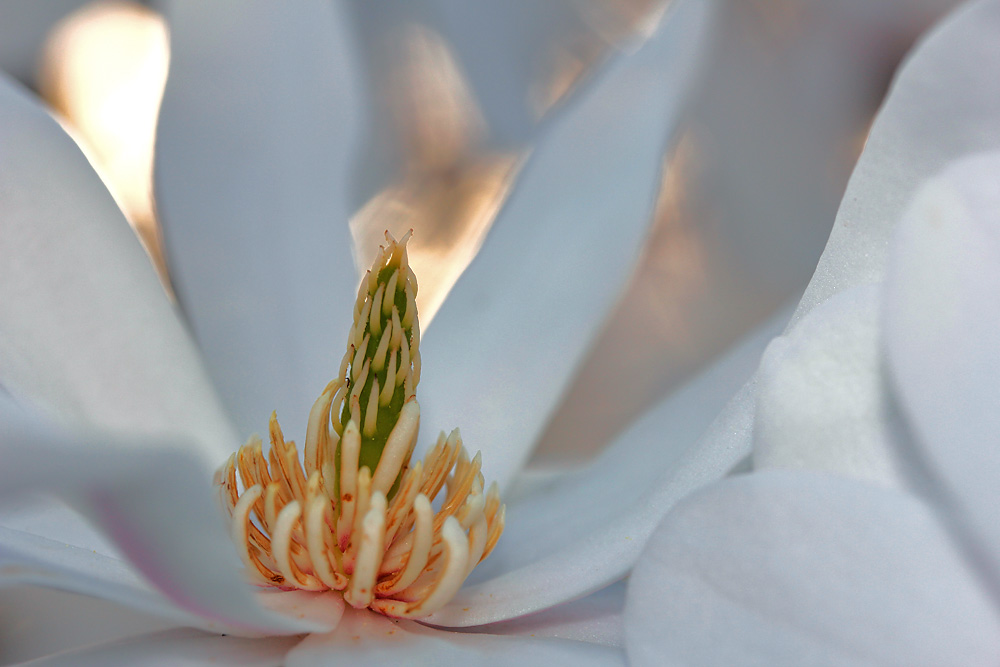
86 331
363 637
254 142
155 503
510 336
943 103
942 323
820 398
783 568
585 532
173 647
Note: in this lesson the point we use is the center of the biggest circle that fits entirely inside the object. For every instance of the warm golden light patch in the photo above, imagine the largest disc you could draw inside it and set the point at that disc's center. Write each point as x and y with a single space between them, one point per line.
354 515
103 69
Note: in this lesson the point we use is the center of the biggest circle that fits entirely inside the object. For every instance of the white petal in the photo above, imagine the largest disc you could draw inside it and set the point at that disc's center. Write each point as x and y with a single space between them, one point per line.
942 322
508 339
596 618
364 637
85 328
820 398
783 568
155 504
38 622
178 647
582 533
252 153
931 116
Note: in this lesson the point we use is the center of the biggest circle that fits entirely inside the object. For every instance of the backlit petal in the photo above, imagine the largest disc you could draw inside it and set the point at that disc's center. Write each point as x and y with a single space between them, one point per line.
509 338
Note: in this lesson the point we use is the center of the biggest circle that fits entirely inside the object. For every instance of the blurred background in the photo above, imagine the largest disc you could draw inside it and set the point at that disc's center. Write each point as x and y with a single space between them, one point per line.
457 94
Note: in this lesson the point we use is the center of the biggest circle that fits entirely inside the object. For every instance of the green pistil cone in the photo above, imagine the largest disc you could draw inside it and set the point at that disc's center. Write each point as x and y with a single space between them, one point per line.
382 356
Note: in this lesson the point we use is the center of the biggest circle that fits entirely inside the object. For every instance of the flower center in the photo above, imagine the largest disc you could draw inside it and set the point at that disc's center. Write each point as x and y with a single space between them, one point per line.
354 515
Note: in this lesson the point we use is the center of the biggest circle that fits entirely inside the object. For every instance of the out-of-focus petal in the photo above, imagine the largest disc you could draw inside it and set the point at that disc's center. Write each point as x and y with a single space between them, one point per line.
24 25
820 398
157 507
943 104
942 341
369 639
509 338
86 331
255 133
177 647
583 533
783 568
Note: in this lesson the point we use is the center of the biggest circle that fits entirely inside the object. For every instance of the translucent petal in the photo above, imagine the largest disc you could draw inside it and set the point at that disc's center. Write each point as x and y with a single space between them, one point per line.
820 401
584 532
367 638
86 331
942 342
255 133
798 568
508 339
930 117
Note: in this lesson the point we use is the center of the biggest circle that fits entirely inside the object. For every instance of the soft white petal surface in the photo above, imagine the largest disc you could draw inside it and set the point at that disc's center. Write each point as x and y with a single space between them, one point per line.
798 568
86 331
509 338
252 152
367 638
584 532
820 398
36 621
944 103
190 648
596 618
942 340
158 508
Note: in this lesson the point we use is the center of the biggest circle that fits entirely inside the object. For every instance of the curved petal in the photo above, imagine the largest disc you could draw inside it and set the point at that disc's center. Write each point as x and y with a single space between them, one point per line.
782 568
85 328
177 647
942 341
596 618
508 339
367 638
155 504
252 150
37 622
820 400
583 533
930 117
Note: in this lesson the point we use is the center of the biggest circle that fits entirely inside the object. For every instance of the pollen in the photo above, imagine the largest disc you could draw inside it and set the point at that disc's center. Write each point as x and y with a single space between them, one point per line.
353 514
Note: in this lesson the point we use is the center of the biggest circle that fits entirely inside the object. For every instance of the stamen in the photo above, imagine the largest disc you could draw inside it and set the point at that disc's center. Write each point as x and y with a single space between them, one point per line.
328 522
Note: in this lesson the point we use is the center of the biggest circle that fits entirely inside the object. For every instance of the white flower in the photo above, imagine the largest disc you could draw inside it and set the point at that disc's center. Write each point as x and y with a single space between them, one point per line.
868 532
264 273
89 337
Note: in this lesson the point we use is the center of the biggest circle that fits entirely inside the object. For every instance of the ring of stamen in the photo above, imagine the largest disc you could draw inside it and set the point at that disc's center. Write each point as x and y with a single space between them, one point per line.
354 515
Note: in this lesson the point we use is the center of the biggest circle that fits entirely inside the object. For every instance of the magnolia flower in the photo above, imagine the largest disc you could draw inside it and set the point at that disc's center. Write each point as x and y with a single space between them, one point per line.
89 338
867 533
